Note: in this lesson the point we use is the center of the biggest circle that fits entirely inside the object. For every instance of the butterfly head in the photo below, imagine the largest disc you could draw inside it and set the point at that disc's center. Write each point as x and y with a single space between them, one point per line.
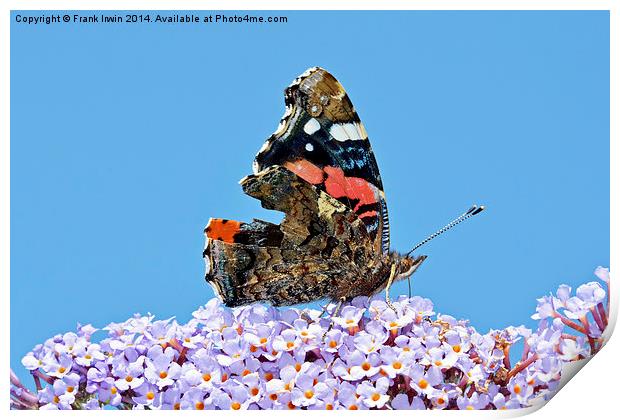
407 265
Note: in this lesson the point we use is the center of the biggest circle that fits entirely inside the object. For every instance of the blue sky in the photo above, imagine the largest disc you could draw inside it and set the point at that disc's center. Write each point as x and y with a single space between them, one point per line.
125 139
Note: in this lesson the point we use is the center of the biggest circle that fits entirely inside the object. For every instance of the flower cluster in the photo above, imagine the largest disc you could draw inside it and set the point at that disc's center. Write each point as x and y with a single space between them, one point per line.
366 356
587 313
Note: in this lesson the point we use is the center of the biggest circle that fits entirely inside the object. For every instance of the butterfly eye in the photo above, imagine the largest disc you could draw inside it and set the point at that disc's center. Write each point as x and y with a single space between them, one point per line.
315 109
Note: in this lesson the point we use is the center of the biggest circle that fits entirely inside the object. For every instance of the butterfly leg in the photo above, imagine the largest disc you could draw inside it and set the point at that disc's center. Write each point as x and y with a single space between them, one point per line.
339 306
387 288
409 285
324 311
335 313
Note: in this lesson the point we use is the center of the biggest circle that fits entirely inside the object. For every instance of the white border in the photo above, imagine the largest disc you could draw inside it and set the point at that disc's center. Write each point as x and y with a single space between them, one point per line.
591 394
307 5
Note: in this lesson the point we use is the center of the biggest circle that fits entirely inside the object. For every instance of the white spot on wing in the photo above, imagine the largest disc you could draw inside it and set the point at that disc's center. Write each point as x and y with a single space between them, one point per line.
309 147
338 132
312 126
351 131
348 131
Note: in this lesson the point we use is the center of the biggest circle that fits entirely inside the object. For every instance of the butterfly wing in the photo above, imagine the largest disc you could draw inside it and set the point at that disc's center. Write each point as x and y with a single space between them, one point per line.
321 248
322 140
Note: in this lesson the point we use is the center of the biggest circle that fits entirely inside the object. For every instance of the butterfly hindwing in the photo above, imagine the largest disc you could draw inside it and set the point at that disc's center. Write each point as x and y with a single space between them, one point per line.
259 232
322 140
321 248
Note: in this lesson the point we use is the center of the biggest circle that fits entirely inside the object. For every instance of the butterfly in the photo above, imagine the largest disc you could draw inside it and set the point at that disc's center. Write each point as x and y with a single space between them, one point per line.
333 243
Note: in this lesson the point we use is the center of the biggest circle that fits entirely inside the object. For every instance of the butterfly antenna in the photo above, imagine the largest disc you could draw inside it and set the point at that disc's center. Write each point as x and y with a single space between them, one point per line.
473 210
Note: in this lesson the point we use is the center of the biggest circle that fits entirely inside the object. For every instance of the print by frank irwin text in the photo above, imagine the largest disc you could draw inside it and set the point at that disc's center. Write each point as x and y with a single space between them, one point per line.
144 18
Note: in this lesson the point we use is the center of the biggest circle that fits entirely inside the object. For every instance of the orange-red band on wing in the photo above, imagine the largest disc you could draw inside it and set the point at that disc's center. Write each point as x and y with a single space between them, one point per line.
306 170
337 184
222 229
370 213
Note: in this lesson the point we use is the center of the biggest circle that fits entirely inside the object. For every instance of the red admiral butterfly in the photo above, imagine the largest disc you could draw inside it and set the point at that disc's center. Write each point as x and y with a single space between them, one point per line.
319 170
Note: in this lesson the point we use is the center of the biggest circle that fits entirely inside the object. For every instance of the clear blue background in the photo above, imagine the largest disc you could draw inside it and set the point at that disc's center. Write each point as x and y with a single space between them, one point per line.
125 139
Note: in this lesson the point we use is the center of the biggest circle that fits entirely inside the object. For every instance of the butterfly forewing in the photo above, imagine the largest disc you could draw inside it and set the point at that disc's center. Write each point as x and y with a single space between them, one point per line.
323 141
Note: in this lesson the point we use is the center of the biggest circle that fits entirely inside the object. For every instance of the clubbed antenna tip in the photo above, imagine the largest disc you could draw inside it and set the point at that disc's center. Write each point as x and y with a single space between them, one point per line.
475 209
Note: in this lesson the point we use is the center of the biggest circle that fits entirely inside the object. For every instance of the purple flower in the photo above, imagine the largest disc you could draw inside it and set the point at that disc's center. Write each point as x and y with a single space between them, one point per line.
48 400
70 344
349 317
520 389
563 294
171 399
370 343
545 308
190 339
255 388
357 366
333 340
32 361
95 375
349 398
501 402
411 345
403 402
307 391
576 308
603 274
195 399
288 340
161 370
148 395
260 337
129 375
275 389
441 357
109 393
573 349
204 373
308 333
87 356
237 400
442 398
423 381
420 307
475 402
591 293
293 365
395 362
374 395
66 388
59 367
